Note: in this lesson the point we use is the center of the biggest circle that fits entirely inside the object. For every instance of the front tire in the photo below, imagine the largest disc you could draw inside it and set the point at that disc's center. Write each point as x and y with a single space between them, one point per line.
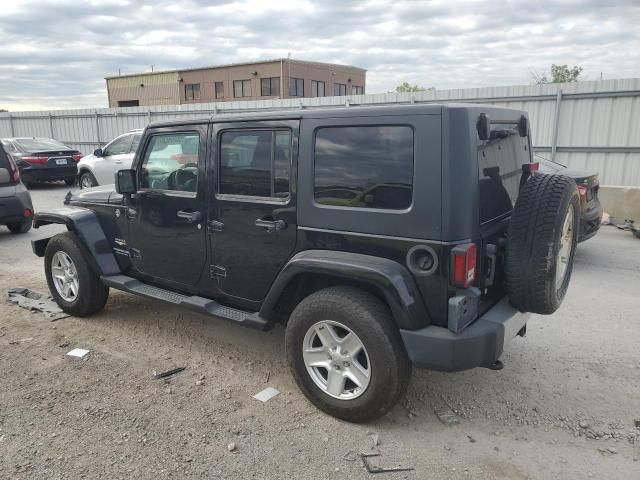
19 227
72 282
87 180
346 354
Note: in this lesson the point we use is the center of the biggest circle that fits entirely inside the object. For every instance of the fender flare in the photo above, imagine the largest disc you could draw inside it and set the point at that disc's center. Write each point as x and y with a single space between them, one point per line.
85 224
388 277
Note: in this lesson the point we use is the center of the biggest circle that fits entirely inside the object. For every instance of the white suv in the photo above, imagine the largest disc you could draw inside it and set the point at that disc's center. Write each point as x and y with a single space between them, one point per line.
100 168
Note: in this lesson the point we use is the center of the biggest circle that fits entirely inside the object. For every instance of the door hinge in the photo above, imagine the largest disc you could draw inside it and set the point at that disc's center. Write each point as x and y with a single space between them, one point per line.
217 271
214 226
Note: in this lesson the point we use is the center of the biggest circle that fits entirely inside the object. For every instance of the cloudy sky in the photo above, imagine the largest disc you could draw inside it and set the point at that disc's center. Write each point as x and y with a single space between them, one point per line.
55 54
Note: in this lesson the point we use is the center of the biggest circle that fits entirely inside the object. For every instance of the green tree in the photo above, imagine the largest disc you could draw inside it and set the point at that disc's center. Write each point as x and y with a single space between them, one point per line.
407 87
559 74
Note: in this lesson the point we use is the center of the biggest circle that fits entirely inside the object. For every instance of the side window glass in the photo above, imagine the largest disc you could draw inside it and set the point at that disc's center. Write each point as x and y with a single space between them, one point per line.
364 167
135 143
10 147
119 146
255 163
171 162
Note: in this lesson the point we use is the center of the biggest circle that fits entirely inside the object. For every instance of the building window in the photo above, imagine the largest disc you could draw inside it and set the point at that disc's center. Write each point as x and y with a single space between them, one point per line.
317 88
219 89
356 90
242 88
128 103
270 87
364 167
296 87
192 91
339 89
255 163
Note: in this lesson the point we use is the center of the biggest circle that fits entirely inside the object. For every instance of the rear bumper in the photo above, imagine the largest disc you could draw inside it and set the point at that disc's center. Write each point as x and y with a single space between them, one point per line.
590 222
478 345
48 173
12 208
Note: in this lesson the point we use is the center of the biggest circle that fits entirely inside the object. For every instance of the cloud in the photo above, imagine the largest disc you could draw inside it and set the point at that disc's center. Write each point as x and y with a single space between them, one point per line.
55 53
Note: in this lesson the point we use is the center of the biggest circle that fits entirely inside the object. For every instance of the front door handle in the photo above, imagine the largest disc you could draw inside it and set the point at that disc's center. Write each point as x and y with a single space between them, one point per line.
271 225
190 217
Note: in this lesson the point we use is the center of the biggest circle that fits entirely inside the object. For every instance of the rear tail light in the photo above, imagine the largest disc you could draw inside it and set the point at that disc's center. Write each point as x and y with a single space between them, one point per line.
77 157
582 191
464 265
532 167
35 159
27 213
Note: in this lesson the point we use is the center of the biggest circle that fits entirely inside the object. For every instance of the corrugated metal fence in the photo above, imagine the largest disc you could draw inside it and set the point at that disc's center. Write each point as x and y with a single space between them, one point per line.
592 124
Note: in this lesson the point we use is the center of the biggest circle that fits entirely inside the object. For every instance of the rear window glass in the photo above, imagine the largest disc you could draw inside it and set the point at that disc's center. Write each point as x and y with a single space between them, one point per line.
500 161
35 144
4 159
364 167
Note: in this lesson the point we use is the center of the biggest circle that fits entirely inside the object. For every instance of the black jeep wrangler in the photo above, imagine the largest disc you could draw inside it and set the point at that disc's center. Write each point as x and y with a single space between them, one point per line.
382 237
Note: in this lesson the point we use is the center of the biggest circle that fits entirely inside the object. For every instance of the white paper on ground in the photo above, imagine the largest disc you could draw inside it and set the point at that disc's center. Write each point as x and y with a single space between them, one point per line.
266 394
78 352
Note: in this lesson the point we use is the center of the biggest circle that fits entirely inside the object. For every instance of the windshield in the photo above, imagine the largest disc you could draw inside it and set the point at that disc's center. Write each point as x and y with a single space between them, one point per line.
34 144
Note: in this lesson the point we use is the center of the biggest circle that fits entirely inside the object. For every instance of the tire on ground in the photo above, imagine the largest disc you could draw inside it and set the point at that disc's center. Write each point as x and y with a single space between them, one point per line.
92 293
89 176
370 319
20 227
534 240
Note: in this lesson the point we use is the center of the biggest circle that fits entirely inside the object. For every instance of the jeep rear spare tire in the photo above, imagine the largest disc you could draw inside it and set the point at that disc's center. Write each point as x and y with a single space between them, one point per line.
541 245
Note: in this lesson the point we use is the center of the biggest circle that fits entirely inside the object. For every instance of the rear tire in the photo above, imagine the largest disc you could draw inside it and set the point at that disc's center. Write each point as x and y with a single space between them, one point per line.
20 227
91 294
542 239
352 311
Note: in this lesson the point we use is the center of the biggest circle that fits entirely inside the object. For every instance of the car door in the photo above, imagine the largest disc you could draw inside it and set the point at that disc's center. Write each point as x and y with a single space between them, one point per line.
167 238
253 221
113 158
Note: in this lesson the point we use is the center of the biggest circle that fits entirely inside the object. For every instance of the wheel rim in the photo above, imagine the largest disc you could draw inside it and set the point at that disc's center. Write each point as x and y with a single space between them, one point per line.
336 360
65 276
86 182
564 251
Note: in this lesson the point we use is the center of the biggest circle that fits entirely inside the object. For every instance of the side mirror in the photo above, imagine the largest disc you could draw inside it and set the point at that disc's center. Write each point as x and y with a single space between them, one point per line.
484 127
5 176
523 126
98 152
126 181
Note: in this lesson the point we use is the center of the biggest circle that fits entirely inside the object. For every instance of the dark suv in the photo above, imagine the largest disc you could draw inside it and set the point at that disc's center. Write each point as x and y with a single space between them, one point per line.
382 237
16 209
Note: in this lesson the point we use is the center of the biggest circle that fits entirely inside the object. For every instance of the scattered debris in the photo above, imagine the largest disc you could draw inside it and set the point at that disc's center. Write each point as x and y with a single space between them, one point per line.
78 352
606 219
637 423
471 439
64 345
375 439
446 415
199 383
22 340
584 424
36 301
168 373
376 469
350 456
266 394
232 447
613 450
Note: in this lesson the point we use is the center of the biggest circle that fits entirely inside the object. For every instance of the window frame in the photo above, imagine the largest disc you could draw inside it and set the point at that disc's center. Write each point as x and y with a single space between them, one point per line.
215 90
191 86
242 89
365 209
354 92
254 198
296 80
317 83
272 81
141 158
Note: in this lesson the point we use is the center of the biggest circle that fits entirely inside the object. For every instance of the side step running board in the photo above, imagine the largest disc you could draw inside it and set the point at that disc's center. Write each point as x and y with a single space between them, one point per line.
199 304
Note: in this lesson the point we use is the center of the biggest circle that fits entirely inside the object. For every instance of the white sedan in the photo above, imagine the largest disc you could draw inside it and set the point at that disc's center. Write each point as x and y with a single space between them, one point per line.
100 168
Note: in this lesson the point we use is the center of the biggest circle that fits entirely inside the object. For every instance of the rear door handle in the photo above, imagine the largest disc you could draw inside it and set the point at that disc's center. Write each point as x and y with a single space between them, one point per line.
190 217
271 225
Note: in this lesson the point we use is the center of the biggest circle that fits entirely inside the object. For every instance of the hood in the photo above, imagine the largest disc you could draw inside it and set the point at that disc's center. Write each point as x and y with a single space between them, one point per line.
100 194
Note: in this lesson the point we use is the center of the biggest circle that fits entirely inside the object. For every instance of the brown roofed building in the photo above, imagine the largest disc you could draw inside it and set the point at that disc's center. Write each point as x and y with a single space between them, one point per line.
270 79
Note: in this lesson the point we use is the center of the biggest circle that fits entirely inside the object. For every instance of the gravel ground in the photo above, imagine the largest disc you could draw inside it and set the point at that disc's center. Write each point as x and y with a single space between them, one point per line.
564 406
